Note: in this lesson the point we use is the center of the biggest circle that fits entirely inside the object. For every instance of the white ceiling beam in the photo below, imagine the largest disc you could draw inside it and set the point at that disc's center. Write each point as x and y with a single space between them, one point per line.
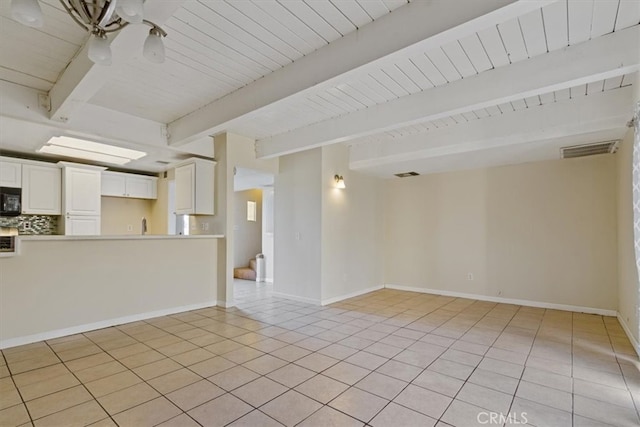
82 79
91 121
415 27
587 114
608 56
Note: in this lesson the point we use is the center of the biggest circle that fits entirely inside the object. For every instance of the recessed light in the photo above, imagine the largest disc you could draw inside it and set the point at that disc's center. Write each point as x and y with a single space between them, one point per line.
89 150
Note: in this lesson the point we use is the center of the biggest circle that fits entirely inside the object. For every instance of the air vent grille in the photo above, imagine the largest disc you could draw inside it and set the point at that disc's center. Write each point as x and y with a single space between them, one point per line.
589 149
406 174
162 162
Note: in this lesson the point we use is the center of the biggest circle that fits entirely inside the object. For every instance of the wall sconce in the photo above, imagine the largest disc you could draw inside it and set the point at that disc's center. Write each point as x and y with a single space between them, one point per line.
339 182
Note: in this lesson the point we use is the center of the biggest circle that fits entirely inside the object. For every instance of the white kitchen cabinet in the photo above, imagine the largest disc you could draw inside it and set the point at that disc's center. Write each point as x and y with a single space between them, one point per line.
195 187
81 186
10 173
117 184
41 189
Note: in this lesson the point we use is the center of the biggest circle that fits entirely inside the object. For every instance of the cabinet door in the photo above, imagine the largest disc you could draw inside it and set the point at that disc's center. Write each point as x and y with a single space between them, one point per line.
141 187
41 190
113 184
185 189
82 225
10 174
81 192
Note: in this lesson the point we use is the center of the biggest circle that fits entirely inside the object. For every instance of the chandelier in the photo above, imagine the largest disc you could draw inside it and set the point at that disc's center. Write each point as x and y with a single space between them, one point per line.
99 17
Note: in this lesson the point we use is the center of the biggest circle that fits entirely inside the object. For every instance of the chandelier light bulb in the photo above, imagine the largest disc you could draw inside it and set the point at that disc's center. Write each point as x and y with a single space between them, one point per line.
153 48
131 11
99 49
27 12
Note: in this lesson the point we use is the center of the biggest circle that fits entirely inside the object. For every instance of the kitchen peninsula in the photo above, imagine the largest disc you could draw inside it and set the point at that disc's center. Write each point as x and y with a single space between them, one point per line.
62 285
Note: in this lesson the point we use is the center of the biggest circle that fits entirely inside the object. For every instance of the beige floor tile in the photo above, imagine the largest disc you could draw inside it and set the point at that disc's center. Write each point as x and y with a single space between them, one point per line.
603 393
122 400
321 388
14 416
78 353
600 377
212 366
366 360
328 416
260 391
100 371
291 375
206 339
501 367
605 412
290 408
9 395
88 362
140 359
19 366
163 341
220 411
105 422
359 404
419 359
486 398
399 370
174 380
290 353
545 395
548 379
381 385
148 414
156 369
265 364
59 401
494 381
194 356
346 373
424 401
255 418
48 386
268 345
452 369
80 415
195 394
316 362
399 416
112 383
182 420
223 347
177 348
38 375
439 383
540 415
122 352
233 378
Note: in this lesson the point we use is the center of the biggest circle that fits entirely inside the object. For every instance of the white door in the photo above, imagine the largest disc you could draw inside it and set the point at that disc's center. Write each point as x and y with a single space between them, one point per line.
185 186
82 225
10 174
82 192
140 187
113 184
41 190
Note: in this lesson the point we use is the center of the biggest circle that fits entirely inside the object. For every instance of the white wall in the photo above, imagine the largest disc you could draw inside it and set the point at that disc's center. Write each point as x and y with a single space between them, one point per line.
628 284
268 212
351 228
60 287
247 235
543 232
298 237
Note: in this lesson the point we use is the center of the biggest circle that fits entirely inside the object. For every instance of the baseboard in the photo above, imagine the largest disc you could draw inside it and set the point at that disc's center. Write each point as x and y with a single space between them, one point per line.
350 295
297 298
57 333
226 304
527 303
627 331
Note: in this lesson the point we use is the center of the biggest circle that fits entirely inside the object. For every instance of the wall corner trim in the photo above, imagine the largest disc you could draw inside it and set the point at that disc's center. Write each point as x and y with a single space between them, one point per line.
297 298
57 333
523 302
226 304
634 342
351 295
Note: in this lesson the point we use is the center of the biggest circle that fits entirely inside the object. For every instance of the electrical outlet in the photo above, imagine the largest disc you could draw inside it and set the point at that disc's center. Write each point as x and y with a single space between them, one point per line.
26 225
469 276
129 227
205 226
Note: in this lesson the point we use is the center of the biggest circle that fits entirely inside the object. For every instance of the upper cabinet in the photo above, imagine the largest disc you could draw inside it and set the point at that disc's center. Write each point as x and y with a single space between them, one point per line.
41 189
10 174
195 187
116 184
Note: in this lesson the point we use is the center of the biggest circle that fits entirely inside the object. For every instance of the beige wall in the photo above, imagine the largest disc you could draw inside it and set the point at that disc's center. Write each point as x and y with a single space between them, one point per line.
158 222
119 212
80 285
628 285
543 232
247 235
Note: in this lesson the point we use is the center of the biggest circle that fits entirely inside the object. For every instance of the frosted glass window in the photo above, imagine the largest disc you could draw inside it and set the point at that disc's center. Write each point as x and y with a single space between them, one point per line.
251 211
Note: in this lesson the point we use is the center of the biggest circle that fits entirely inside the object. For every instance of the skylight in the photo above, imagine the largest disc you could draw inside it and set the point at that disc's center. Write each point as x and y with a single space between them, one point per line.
89 150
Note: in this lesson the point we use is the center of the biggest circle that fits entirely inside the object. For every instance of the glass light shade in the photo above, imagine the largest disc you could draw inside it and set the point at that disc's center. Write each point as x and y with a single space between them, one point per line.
27 12
100 50
130 10
340 182
153 48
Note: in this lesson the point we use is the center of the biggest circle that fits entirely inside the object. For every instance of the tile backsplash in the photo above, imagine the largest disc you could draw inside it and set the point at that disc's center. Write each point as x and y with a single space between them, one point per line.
31 224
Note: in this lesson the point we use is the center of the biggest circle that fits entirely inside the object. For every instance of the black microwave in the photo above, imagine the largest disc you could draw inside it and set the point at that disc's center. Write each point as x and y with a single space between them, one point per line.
10 201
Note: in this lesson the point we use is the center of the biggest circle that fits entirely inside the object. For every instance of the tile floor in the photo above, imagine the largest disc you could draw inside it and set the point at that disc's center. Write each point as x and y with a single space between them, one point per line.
388 358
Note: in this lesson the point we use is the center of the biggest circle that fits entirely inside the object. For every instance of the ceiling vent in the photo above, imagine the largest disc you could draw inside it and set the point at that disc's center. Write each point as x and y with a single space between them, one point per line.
606 147
406 174
162 162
